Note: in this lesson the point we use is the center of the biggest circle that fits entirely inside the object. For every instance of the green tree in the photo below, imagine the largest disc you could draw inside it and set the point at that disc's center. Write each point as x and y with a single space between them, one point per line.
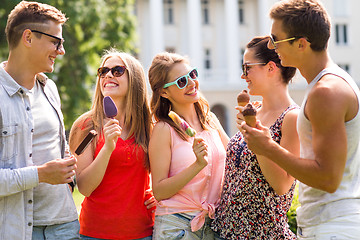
93 26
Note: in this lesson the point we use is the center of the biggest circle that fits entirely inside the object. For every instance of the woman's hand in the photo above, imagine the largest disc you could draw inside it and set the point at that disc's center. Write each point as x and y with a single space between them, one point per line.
91 171
239 117
112 132
150 201
201 152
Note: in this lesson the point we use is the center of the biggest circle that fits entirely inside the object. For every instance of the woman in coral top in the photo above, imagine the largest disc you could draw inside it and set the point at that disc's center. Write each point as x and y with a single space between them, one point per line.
113 171
187 172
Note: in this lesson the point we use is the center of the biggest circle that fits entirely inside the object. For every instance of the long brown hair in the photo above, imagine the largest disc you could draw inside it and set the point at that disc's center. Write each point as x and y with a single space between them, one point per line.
160 106
137 117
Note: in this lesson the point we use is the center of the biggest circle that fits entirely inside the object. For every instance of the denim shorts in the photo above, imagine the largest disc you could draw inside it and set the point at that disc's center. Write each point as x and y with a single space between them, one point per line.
177 226
64 231
91 238
346 227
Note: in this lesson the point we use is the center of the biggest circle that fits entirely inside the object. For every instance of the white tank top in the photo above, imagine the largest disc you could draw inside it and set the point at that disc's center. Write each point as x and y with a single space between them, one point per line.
318 206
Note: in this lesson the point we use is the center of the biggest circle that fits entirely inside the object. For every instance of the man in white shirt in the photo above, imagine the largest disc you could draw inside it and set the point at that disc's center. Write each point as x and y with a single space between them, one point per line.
35 164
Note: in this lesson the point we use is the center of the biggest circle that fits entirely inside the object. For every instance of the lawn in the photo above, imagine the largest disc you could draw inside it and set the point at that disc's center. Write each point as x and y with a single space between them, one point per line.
78 198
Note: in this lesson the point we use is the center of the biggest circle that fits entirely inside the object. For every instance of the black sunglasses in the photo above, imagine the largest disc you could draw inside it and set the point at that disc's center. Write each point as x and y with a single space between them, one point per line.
58 44
247 66
116 71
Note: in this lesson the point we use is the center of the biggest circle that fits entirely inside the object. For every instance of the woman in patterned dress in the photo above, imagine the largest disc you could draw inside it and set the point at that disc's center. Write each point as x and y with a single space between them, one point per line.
256 192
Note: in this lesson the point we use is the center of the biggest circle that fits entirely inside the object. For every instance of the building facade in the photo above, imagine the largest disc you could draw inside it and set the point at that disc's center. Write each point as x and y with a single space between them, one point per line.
214 33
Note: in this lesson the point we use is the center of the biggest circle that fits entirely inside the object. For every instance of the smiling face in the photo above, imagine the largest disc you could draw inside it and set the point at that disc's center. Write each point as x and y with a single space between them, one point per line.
285 50
115 87
255 73
44 48
188 94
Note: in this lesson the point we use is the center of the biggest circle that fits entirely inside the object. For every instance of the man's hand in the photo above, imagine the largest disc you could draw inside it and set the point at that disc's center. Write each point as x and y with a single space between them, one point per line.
57 171
258 139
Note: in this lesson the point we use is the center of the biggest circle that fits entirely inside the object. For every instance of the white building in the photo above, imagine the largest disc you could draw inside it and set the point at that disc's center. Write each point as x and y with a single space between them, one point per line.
214 33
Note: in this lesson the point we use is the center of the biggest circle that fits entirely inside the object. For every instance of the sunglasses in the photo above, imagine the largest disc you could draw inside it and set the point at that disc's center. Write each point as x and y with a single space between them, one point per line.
182 81
116 71
274 43
245 67
59 43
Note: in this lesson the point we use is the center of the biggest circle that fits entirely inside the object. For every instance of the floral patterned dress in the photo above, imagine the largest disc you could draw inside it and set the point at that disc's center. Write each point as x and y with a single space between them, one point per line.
249 207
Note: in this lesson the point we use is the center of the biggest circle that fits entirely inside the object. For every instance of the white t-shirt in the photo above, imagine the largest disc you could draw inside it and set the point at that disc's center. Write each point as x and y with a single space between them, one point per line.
52 203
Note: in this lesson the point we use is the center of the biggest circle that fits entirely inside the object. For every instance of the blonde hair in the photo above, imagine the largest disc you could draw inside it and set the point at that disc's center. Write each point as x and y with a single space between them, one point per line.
137 112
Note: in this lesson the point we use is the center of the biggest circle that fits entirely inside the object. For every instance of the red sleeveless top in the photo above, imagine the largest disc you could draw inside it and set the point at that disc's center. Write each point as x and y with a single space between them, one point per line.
115 209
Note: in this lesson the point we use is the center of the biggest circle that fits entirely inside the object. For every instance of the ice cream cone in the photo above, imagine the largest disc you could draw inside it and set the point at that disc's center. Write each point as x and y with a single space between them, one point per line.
250 120
249 114
243 98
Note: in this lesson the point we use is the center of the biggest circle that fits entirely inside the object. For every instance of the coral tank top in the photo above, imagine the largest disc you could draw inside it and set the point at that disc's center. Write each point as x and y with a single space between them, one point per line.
115 209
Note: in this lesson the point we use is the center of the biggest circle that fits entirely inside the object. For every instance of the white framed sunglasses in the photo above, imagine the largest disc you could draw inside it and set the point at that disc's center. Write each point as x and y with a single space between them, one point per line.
182 81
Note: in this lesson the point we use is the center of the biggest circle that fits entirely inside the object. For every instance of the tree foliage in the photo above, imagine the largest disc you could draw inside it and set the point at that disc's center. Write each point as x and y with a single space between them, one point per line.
93 26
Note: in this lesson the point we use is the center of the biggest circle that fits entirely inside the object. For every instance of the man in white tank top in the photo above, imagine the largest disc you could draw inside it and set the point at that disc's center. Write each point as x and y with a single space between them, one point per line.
328 124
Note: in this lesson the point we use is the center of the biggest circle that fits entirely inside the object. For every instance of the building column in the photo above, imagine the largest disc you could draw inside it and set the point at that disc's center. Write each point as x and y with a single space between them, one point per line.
263 16
195 50
232 41
156 27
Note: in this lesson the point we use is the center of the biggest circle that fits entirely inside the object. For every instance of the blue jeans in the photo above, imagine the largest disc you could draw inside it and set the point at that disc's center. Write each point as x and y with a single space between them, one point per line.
91 238
177 226
64 231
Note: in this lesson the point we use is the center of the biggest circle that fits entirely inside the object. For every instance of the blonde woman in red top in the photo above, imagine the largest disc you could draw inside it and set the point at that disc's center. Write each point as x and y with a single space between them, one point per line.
113 171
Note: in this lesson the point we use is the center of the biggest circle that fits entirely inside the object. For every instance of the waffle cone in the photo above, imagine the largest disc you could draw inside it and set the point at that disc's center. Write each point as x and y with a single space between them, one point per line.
242 104
250 120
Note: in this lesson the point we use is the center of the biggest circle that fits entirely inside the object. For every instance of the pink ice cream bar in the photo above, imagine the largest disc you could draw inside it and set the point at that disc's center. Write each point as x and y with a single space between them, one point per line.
182 123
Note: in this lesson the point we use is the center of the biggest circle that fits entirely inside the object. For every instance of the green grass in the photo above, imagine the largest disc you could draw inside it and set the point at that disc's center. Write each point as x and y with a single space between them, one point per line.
78 199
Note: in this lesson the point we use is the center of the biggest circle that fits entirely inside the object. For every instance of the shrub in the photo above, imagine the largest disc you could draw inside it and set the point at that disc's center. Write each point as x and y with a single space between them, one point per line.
291 214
